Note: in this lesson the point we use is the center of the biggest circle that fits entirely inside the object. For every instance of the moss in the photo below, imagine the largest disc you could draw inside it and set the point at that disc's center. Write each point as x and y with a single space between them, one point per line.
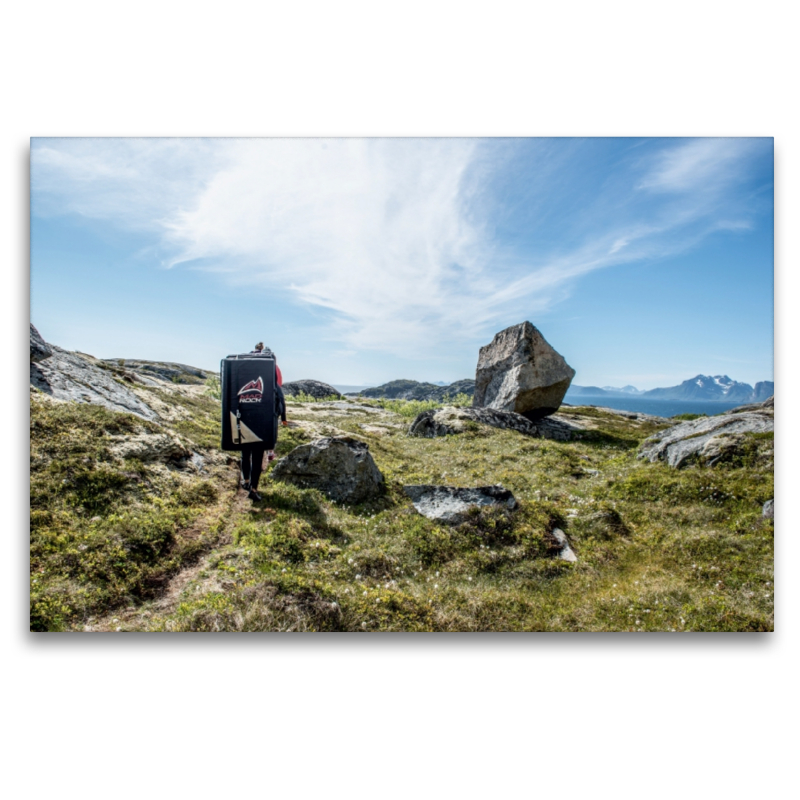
658 548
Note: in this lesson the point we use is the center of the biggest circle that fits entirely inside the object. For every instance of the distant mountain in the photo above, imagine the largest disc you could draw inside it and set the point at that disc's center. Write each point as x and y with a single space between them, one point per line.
606 391
701 387
714 387
414 390
624 390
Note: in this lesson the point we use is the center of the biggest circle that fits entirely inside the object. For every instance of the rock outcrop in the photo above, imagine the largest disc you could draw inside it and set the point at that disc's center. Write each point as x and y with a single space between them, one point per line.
162 370
40 350
519 371
452 420
316 389
451 505
340 467
72 376
707 440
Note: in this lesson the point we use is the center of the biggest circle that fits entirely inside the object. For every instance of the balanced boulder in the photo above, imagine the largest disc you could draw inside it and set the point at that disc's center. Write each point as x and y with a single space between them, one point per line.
519 371
451 504
340 467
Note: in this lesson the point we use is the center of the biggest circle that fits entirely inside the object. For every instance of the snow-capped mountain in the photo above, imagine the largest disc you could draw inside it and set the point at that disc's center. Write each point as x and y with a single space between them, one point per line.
701 387
714 387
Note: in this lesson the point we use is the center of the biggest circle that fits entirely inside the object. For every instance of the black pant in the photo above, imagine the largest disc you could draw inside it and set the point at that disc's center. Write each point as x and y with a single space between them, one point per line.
252 460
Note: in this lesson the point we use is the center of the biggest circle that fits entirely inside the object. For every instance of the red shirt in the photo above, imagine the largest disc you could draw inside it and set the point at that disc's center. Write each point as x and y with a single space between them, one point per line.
278 373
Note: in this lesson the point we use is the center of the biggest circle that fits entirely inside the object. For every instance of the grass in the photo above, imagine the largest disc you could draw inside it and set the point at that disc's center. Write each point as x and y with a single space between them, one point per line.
104 532
658 549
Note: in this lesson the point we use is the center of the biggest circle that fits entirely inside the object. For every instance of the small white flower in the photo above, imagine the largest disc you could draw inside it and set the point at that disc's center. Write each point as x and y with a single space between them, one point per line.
469 578
363 624
365 594
435 585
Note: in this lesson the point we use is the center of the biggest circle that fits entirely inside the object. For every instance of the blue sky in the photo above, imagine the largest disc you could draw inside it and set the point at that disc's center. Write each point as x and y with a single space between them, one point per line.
643 261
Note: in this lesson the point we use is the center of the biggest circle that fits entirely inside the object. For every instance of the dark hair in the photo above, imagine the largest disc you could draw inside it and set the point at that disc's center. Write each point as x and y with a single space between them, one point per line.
259 346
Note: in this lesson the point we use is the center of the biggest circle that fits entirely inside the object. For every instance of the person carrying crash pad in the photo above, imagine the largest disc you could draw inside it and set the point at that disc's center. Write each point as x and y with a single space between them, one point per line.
253 453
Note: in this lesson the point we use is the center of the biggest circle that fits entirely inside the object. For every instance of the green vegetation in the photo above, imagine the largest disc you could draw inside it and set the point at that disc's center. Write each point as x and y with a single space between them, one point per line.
658 548
687 417
302 397
105 532
409 409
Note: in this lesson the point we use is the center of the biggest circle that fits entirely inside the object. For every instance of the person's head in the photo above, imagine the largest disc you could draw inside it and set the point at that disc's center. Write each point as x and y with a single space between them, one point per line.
259 347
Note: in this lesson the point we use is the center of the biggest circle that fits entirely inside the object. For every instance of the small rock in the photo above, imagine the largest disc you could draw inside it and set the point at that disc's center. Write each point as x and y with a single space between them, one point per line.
768 509
566 553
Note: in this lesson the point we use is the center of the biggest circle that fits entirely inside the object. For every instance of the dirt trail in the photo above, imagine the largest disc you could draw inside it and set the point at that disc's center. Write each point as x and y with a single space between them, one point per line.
233 503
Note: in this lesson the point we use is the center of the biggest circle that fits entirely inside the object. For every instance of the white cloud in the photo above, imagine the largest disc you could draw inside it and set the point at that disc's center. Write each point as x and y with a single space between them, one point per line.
391 235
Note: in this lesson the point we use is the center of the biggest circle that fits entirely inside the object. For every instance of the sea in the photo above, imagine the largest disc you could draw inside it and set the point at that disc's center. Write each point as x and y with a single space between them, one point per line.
642 405
658 407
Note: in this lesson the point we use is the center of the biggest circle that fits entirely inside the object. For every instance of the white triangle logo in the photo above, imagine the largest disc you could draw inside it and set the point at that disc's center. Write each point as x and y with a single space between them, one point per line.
248 437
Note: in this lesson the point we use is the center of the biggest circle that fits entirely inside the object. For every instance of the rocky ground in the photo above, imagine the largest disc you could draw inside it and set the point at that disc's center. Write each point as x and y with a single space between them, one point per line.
137 523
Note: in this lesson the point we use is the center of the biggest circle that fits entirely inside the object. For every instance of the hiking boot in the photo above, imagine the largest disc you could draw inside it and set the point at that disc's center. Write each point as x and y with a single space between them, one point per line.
245 485
254 495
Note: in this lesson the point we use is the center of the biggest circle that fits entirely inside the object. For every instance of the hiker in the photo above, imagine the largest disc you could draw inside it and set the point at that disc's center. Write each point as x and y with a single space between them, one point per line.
253 453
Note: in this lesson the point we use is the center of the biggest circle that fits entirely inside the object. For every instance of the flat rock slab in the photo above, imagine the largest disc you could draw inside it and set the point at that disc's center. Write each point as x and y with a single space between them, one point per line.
706 440
451 504
340 467
452 420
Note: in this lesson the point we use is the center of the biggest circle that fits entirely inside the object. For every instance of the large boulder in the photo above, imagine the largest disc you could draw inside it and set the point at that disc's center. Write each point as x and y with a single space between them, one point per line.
451 420
451 504
707 440
519 371
315 389
340 467
40 350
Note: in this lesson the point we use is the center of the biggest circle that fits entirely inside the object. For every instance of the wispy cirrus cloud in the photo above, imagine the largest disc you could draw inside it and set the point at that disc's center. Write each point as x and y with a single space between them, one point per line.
395 237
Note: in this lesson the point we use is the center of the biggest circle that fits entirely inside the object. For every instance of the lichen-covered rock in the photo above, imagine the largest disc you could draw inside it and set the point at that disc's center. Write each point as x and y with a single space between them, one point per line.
40 350
519 371
71 376
316 389
452 420
150 447
340 467
768 509
451 504
708 440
